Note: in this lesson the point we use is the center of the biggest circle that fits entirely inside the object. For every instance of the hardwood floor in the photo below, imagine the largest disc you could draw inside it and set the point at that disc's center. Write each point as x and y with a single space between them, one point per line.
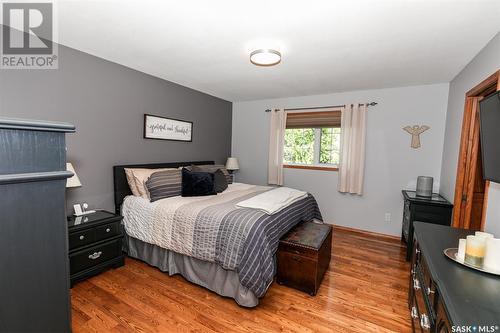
364 290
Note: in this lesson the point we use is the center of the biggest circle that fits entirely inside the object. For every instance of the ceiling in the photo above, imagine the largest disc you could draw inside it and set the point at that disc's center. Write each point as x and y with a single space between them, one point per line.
327 46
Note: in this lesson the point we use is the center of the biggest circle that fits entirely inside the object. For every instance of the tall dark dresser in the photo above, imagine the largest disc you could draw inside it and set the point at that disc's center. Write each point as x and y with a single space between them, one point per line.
34 279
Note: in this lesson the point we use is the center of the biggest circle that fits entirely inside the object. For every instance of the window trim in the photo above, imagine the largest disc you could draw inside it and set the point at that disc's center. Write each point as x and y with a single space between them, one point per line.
317 145
311 167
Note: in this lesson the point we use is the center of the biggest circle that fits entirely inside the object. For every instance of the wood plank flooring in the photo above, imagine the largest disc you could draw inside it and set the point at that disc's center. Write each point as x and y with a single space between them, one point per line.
364 290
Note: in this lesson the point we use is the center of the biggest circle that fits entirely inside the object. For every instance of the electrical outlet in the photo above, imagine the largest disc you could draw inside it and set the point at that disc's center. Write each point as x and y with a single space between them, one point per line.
387 217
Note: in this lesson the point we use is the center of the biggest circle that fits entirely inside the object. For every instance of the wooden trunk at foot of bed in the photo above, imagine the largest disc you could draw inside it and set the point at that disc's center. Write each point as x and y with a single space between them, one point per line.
302 265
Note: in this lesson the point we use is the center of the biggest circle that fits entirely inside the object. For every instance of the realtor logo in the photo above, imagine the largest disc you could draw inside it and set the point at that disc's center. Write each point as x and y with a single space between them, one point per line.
27 34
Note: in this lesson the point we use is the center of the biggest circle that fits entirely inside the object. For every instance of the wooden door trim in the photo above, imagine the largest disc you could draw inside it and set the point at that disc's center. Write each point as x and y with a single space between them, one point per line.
470 172
461 166
486 87
469 146
485 203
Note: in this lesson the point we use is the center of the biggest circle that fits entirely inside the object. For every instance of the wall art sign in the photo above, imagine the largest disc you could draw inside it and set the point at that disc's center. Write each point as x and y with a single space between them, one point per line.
161 128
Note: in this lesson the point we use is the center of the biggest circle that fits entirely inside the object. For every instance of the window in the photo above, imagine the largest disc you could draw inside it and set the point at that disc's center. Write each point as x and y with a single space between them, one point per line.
312 140
329 151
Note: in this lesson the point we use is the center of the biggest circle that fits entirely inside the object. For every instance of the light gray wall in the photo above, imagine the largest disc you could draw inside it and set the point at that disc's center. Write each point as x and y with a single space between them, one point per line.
391 165
106 102
482 66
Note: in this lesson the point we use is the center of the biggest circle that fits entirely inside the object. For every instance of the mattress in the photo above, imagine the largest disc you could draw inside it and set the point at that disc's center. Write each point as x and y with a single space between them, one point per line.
215 230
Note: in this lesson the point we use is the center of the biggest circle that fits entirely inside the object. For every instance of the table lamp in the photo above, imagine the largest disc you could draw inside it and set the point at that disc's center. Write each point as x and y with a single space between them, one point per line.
232 164
73 181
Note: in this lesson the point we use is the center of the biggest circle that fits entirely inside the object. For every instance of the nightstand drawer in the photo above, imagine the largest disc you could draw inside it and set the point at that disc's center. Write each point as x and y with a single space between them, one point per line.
107 231
88 258
81 238
432 214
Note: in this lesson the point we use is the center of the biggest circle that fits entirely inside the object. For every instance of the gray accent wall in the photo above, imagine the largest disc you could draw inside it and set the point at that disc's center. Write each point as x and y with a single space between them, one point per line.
483 65
107 102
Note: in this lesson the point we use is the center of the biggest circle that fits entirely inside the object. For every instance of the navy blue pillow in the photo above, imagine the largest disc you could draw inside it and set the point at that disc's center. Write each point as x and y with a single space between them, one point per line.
220 181
197 183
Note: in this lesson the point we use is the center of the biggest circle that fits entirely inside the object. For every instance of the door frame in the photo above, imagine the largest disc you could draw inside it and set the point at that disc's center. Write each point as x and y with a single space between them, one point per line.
468 154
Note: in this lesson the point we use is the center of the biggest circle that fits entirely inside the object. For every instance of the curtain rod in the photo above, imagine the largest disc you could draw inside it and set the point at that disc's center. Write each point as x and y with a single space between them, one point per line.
323 107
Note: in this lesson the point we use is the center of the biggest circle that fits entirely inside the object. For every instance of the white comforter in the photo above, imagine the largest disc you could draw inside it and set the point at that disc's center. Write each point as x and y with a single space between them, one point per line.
273 201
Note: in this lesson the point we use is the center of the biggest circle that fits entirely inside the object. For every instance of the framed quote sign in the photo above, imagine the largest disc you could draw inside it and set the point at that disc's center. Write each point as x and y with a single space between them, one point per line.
162 128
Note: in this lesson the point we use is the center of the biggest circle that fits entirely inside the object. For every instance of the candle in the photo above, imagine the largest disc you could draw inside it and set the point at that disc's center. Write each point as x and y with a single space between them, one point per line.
483 234
461 249
475 249
492 257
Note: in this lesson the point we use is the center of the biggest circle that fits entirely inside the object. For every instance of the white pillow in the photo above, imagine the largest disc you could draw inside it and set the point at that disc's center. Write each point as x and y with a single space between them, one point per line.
140 176
131 182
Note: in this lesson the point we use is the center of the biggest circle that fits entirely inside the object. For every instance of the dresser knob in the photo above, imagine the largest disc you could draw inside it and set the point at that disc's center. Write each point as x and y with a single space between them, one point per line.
416 284
425 322
108 230
82 237
95 255
417 251
414 312
429 291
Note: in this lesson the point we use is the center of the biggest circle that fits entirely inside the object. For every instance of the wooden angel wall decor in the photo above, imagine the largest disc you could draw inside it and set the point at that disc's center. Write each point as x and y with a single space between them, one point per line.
415 132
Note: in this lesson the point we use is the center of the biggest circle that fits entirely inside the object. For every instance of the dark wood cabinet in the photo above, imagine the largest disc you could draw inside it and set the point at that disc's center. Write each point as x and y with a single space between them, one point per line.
95 243
34 279
444 294
435 209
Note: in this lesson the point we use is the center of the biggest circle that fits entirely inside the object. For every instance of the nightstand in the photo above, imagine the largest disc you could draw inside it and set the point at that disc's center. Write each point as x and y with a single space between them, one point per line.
95 244
435 209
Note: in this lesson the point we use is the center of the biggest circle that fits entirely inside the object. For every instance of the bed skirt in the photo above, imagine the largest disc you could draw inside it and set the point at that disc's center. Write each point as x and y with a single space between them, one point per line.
206 274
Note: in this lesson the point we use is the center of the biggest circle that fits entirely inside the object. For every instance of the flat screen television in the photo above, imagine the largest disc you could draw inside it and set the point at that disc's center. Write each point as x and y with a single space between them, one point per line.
489 114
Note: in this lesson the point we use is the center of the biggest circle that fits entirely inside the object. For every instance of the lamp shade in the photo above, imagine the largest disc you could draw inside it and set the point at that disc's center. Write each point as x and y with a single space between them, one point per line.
73 181
232 163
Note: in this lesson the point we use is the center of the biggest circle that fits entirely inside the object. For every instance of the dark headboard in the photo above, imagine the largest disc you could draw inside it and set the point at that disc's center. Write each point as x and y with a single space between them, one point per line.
121 187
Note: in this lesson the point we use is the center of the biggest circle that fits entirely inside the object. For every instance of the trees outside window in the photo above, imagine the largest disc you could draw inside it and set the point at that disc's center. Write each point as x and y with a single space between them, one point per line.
312 146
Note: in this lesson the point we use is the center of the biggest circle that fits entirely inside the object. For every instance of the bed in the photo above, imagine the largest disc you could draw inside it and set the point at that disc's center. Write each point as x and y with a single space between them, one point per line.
209 240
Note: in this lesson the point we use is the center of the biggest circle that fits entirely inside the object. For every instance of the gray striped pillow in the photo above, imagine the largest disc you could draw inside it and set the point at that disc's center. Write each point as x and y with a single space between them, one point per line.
164 184
212 168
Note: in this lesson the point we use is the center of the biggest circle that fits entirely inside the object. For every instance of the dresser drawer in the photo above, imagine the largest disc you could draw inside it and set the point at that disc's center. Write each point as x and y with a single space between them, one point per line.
426 318
428 285
81 238
107 231
82 260
433 214
415 316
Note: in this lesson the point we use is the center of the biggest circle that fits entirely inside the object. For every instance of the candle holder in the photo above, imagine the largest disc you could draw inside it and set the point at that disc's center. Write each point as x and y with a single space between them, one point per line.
475 250
452 253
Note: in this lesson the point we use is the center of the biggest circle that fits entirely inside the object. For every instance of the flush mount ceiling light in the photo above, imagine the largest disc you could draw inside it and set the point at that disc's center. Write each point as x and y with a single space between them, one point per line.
265 57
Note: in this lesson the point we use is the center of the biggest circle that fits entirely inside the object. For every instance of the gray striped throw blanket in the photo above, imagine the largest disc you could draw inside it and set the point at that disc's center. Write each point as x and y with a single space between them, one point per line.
214 229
